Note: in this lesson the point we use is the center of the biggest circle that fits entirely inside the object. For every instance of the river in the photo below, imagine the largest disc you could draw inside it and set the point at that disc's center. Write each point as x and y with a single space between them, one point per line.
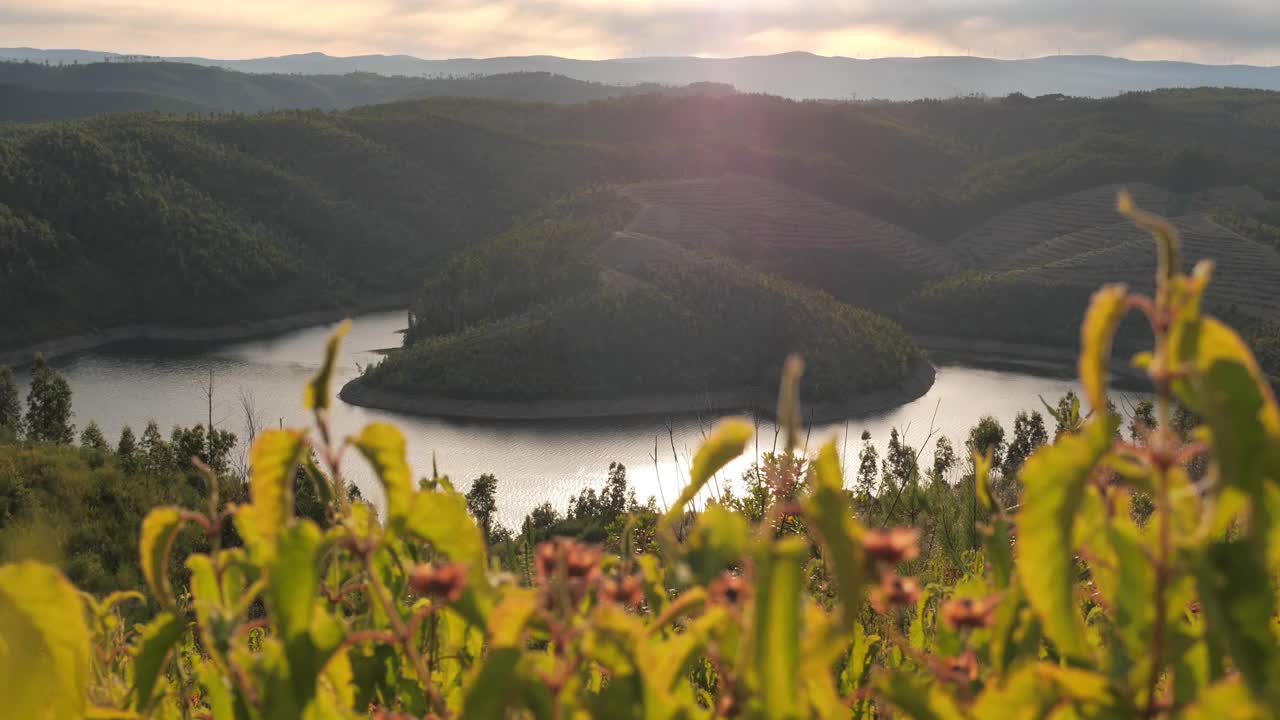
534 462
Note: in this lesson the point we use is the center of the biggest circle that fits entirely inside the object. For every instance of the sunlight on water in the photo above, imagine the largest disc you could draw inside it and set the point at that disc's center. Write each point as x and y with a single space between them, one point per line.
535 462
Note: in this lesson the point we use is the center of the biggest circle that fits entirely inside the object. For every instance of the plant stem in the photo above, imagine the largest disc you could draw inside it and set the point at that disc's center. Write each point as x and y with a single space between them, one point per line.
1162 582
383 597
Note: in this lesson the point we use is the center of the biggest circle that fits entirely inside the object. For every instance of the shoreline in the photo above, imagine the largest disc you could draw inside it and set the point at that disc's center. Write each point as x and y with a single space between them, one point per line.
249 330
1032 358
355 392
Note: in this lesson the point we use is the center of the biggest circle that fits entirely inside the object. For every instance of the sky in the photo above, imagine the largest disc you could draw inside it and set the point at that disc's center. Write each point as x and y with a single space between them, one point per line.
1211 31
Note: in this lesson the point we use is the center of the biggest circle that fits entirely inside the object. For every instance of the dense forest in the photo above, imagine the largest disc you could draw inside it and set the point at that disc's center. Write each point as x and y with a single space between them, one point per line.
927 206
32 91
562 307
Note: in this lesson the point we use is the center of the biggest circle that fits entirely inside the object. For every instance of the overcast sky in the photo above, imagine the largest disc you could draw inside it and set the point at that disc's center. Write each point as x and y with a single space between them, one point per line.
1214 31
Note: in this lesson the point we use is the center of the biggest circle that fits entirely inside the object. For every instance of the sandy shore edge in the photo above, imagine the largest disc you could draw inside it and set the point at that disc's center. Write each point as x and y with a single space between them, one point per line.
196 335
356 392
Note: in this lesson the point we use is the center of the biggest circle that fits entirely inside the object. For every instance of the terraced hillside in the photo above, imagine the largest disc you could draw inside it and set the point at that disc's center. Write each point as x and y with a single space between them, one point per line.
792 233
1029 266
1003 241
631 315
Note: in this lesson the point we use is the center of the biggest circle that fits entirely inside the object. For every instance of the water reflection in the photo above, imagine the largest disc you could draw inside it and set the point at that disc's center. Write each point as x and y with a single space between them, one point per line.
535 462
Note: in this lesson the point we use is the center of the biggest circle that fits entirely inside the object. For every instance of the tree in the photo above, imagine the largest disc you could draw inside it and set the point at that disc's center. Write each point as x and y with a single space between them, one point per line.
92 439
482 502
944 458
49 406
987 436
868 467
1029 433
899 461
127 449
1143 420
616 498
10 405
159 457
1192 169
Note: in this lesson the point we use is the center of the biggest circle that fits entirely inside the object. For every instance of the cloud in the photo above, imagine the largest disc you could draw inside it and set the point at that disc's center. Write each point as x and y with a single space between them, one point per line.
1243 30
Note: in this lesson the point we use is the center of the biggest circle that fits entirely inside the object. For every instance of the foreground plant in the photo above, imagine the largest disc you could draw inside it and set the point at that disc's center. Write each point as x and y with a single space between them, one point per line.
1072 610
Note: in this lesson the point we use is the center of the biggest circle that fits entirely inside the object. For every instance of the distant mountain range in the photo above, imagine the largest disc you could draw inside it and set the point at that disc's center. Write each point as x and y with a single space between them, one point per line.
794 75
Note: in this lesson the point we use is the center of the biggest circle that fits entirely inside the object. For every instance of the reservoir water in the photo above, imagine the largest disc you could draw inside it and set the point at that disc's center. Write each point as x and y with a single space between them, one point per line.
534 462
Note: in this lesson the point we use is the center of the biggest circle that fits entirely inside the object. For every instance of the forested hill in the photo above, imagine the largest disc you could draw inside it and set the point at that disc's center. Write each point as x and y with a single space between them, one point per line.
798 75
32 91
563 307
129 219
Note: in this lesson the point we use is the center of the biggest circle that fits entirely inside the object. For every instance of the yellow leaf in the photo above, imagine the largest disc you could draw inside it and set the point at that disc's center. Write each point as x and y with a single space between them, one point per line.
159 529
44 644
726 442
1106 309
1055 481
841 535
273 460
383 446
316 396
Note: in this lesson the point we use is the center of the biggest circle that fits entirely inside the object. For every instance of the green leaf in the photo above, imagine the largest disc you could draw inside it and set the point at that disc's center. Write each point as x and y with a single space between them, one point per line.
1106 309
151 656
44 644
273 461
1015 636
95 712
217 691
1238 601
316 396
1055 479
919 697
383 446
830 515
716 542
159 529
982 477
1034 690
206 595
496 687
1227 700
789 401
441 518
862 656
1230 392
999 547
1134 586
726 442
295 578
778 606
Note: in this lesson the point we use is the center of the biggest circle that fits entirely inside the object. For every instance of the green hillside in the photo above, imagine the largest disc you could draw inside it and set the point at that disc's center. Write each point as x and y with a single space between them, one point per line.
196 220
140 219
30 91
569 308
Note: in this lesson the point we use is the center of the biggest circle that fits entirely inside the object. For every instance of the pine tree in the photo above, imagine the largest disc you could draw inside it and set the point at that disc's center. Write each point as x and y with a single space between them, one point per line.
944 458
482 502
49 406
1029 434
868 468
127 449
10 404
92 439
159 458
